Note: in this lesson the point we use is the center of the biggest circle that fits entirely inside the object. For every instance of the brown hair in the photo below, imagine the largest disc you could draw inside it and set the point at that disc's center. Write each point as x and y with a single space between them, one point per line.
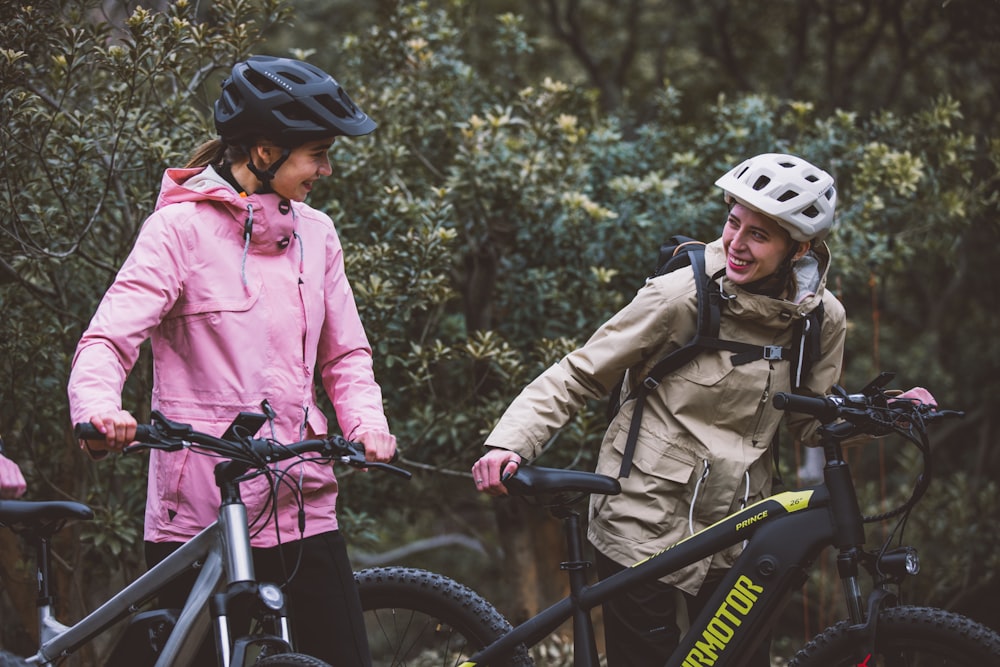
215 152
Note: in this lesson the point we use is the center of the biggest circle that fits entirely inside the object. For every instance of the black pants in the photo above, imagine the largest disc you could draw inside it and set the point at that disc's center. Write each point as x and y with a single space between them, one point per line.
323 603
640 626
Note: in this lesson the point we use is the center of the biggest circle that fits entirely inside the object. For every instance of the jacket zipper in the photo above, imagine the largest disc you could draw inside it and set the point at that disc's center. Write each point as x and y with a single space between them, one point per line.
707 467
759 416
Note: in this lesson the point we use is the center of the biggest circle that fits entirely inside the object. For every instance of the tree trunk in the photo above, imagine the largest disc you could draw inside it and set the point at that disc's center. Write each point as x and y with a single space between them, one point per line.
534 547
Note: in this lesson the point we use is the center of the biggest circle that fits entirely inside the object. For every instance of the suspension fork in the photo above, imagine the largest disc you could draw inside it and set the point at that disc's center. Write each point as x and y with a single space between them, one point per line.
847 568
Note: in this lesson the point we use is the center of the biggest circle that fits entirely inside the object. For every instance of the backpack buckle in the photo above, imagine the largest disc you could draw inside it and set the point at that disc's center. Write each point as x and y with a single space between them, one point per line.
773 352
650 383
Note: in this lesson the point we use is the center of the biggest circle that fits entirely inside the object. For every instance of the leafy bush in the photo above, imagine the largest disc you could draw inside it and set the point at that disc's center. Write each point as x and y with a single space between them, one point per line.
495 218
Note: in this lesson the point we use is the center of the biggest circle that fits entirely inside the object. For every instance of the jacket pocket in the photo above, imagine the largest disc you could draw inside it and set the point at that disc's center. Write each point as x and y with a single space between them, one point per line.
654 497
188 497
193 309
708 368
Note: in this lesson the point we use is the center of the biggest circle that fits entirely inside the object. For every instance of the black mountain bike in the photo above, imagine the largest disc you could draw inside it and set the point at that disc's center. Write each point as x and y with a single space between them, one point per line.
784 535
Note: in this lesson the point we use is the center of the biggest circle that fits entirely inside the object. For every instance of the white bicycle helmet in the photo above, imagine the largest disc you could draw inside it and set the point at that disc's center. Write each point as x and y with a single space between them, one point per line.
799 196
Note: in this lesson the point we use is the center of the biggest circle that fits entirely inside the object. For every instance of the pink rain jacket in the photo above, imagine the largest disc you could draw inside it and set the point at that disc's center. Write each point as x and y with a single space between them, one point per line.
231 326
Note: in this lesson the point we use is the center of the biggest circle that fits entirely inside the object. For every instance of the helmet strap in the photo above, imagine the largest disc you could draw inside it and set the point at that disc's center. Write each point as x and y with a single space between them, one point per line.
265 176
776 283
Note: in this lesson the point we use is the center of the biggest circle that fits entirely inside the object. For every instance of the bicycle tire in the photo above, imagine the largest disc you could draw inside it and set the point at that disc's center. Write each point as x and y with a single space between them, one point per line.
416 617
911 636
11 660
290 660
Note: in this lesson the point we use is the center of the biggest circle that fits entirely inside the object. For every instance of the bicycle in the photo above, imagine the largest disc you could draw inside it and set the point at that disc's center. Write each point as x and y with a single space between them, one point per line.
220 553
783 536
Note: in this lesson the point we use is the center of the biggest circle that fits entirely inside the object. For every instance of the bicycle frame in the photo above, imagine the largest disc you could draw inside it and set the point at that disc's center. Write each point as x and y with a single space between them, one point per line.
221 552
785 533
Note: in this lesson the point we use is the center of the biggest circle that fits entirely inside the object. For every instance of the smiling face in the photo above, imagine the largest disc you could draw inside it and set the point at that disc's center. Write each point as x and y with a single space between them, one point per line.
755 245
305 165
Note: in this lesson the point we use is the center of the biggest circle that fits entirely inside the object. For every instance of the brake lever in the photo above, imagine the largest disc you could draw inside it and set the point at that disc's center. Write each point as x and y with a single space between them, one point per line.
946 414
387 467
174 446
355 457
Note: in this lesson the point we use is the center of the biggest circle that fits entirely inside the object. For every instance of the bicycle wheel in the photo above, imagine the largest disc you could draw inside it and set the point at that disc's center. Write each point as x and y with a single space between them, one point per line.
907 637
11 660
419 618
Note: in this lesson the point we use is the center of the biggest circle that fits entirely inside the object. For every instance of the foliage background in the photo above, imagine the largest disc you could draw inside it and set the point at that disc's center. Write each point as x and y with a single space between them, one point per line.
529 159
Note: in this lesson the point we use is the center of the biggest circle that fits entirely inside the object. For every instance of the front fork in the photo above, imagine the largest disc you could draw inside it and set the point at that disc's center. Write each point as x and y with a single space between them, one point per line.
847 568
889 569
268 603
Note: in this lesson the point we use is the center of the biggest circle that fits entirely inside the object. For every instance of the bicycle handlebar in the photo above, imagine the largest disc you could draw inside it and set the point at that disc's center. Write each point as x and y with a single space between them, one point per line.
87 431
824 409
165 435
872 411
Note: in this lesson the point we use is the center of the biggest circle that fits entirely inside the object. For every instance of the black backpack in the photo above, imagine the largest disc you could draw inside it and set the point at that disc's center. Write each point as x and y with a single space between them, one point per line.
681 251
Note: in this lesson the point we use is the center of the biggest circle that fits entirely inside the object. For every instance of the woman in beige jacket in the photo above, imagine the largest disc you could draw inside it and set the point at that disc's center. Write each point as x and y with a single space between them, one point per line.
703 447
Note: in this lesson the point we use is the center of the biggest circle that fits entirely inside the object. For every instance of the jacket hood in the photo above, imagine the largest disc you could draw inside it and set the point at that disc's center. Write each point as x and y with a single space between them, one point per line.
810 280
270 217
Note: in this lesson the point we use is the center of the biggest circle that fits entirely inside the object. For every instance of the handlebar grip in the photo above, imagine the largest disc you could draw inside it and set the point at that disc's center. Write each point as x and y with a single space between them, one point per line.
823 409
357 453
87 431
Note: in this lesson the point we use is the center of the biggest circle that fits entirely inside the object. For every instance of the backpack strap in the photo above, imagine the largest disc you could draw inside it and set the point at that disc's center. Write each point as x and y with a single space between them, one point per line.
709 315
708 319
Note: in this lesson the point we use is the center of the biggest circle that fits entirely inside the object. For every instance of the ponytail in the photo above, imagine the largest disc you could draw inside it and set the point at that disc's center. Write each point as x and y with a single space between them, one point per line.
215 152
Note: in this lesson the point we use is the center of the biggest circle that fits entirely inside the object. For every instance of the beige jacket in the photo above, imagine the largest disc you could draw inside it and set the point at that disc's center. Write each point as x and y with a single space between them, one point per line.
706 429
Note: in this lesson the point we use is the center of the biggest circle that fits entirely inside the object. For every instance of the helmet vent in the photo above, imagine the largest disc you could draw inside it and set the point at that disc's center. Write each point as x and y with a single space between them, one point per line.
260 82
291 76
812 178
332 106
347 102
788 194
228 102
292 111
810 212
761 182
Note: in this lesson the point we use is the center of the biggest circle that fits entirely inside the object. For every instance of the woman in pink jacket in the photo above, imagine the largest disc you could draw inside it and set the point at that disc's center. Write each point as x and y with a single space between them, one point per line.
240 287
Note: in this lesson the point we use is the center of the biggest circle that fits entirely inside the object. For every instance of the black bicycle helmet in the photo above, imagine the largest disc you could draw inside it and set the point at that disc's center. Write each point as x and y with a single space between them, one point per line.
289 102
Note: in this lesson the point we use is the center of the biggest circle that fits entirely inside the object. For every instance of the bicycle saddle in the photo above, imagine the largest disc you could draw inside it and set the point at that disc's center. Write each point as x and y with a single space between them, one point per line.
536 480
28 512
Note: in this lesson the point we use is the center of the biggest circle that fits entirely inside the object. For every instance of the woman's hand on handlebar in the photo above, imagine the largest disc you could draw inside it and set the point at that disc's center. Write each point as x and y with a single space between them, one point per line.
380 447
917 395
12 484
118 429
492 468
